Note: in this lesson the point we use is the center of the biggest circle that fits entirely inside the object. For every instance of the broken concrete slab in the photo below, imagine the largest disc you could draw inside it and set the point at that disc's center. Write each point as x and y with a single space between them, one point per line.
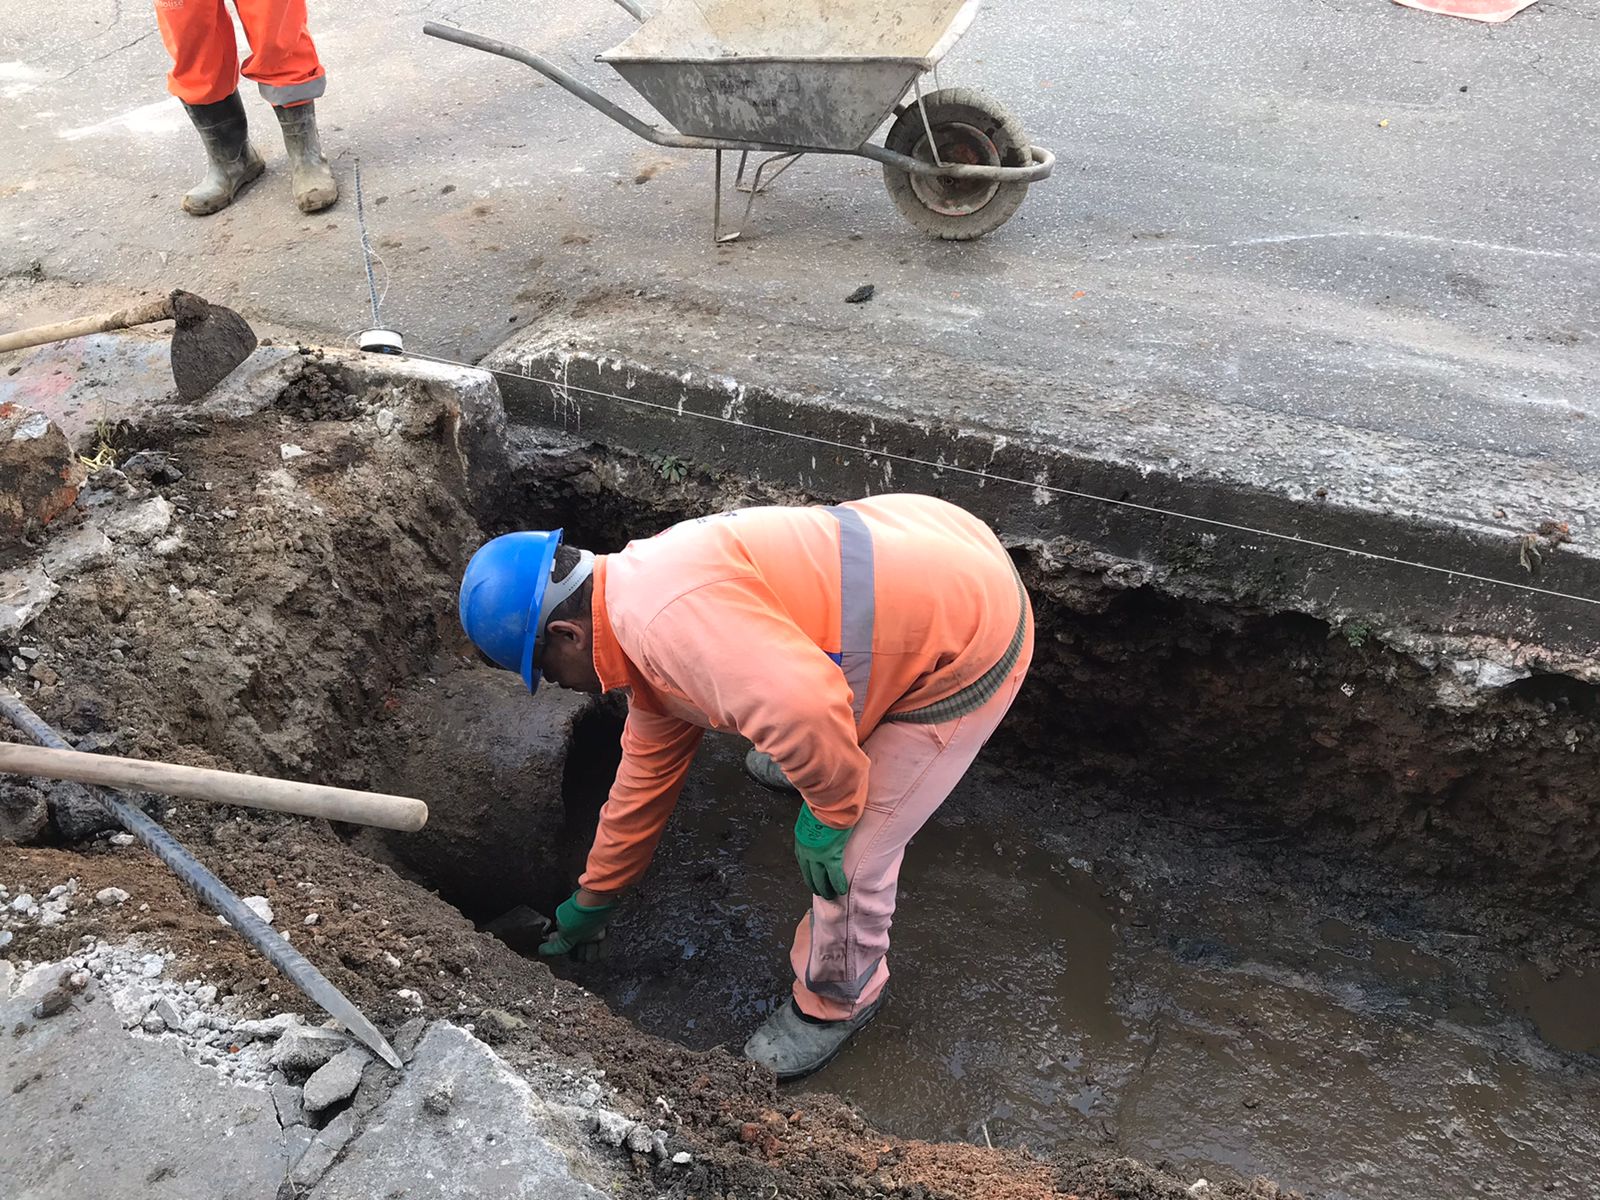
81 1096
321 1153
136 524
24 594
72 554
39 474
497 1138
307 1049
336 1080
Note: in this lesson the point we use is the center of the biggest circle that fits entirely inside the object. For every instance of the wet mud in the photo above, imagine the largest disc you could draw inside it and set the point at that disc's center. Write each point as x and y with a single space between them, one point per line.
1058 991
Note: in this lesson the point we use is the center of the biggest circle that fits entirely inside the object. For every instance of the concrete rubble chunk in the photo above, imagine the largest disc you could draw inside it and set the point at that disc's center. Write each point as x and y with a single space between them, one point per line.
25 592
139 523
307 1049
110 897
75 554
534 1152
286 1099
335 1080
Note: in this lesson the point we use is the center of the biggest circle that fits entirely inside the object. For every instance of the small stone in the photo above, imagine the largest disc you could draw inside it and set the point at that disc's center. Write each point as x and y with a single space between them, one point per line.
78 980
5 938
22 903
110 897
336 1080
495 1025
168 1013
391 961
57 892
57 1000
611 1127
311 919
52 916
259 906
409 996
206 994
640 1138
28 652
385 421
682 1158
1200 1187
152 1023
123 839
288 451
151 965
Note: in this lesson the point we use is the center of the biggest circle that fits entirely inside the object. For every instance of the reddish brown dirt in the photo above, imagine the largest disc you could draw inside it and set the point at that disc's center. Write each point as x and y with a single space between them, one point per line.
303 598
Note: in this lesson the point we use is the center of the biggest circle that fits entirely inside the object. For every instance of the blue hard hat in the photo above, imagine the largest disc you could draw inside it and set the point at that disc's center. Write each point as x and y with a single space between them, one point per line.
502 598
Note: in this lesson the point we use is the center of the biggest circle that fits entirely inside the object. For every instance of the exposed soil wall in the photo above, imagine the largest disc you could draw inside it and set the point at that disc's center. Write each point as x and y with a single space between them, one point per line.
1440 773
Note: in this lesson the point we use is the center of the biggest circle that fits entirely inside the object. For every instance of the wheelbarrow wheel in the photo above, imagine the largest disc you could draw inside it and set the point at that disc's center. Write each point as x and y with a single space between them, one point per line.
969 127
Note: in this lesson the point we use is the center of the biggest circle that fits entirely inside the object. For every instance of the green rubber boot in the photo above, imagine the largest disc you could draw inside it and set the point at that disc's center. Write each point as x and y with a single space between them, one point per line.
764 769
231 161
314 185
792 1045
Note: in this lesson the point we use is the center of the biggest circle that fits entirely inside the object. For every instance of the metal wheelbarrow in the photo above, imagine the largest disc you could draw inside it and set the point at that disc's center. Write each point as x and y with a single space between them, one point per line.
785 78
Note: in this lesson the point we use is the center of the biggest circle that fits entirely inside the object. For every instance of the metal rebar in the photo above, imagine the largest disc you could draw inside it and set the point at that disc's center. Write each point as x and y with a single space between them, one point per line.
294 966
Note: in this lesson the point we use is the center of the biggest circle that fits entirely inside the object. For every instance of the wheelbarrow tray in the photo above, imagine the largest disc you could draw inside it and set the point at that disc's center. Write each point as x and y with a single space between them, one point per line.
815 73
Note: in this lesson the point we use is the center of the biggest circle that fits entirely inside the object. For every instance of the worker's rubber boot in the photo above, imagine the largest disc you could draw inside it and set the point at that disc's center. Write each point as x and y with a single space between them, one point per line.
792 1045
314 185
231 161
764 769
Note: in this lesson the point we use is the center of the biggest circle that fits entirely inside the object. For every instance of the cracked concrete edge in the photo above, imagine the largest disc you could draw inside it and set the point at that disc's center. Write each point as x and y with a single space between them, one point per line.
551 383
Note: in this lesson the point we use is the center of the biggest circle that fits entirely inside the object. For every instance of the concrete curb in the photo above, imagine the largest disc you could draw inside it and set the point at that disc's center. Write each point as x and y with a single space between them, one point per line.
724 425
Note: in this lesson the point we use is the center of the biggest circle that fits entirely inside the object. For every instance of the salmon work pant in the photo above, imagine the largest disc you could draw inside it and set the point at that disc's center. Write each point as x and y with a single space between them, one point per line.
198 35
840 951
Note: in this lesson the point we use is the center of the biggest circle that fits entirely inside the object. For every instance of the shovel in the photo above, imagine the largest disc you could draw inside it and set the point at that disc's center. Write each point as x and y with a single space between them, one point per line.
208 341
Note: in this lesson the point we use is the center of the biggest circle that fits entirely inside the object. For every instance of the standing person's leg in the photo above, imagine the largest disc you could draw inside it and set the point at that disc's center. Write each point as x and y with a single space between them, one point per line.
198 34
283 63
840 951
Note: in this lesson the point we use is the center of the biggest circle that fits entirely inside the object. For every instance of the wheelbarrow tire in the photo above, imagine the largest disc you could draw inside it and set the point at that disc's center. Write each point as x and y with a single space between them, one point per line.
969 126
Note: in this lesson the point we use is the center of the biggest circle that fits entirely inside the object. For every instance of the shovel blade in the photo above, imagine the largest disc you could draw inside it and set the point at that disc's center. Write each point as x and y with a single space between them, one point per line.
207 344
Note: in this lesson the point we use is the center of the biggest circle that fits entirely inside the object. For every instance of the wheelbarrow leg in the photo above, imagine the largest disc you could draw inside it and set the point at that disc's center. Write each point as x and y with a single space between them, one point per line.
788 159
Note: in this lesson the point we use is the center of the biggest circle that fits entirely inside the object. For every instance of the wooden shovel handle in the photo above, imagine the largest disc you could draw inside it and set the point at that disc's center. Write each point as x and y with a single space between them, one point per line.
217 787
138 314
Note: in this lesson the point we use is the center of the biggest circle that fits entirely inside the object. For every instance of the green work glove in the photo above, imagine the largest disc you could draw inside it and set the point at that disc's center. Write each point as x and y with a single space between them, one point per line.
820 851
578 930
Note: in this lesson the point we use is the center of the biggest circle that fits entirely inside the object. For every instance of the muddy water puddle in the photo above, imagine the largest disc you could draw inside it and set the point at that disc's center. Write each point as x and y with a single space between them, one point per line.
1043 1000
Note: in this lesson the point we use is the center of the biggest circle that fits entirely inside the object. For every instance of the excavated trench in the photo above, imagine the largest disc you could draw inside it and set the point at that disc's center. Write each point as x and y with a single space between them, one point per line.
1231 892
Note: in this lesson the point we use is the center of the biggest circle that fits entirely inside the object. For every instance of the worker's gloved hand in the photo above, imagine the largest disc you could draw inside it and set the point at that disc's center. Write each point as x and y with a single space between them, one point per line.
820 851
579 930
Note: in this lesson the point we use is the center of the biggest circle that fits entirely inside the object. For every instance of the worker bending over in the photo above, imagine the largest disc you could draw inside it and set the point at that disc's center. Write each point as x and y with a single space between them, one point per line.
205 76
868 651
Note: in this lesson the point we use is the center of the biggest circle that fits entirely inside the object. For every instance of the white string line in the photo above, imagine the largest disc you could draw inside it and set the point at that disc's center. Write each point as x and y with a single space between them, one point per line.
562 386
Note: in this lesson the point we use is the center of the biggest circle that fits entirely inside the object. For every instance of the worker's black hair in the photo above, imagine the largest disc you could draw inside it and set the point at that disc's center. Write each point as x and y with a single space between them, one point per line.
576 606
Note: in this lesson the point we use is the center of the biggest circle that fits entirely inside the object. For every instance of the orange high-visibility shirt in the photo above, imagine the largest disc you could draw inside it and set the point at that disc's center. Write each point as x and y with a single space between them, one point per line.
728 622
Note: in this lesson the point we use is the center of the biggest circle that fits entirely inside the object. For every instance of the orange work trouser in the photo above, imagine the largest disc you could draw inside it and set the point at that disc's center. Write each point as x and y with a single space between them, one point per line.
205 58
